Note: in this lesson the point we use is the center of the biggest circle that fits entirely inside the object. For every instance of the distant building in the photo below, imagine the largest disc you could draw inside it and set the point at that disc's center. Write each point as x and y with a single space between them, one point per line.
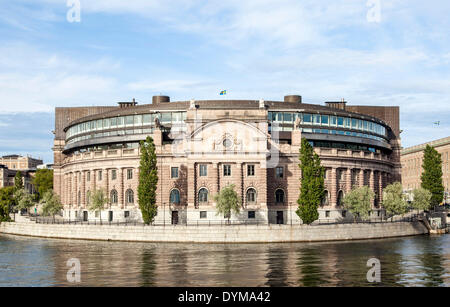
10 165
16 162
45 166
411 159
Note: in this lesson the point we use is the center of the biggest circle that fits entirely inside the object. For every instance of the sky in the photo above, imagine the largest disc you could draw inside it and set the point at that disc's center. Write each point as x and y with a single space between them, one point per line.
370 52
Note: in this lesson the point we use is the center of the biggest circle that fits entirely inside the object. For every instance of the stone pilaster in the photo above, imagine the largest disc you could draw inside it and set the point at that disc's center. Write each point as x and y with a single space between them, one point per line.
334 188
348 180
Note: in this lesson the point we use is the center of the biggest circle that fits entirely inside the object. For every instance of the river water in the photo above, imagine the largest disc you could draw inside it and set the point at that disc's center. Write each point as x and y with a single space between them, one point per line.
410 261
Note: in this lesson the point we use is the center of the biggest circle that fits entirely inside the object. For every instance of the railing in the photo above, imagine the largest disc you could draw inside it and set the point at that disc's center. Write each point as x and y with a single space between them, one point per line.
214 223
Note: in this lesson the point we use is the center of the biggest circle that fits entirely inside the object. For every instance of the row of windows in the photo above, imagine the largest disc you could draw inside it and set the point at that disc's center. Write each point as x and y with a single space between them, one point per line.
250 214
327 120
203 171
339 145
340 132
94 148
125 121
250 196
100 175
114 197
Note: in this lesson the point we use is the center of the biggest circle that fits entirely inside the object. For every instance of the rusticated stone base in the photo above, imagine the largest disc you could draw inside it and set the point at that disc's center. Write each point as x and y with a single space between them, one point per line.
218 234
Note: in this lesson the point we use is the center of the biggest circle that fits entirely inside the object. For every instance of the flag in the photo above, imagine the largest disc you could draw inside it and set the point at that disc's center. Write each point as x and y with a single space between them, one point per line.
223 93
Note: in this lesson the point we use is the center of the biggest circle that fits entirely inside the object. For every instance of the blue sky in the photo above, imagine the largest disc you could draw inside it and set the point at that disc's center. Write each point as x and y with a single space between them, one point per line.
322 50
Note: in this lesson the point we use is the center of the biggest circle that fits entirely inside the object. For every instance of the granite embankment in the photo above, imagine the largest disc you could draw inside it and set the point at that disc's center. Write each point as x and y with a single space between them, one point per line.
218 234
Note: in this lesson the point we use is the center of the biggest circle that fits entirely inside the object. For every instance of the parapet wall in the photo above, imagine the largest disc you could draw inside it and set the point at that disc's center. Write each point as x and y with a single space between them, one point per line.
218 234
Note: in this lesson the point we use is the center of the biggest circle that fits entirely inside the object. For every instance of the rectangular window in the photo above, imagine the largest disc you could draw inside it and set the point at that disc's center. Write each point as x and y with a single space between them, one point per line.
316 119
147 119
166 117
99 175
333 120
138 120
203 170
227 170
354 123
129 174
250 170
174 172
287 117
251 214
126 214
324 120
307 118
113 174
327 213
340 121
88 176
97 214
203 214
279 172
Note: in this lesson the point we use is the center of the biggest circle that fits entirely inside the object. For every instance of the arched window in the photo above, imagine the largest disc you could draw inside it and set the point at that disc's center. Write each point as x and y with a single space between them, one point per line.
251 195
174 196
203 195
279 196
129 196
114 198
325 199
88 197
340 198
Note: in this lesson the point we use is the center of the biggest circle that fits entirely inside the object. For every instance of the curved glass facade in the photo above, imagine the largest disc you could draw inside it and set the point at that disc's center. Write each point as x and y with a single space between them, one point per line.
285 122
122 125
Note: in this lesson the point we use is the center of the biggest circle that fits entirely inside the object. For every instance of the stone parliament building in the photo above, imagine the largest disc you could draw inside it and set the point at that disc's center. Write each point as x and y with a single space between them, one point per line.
203 146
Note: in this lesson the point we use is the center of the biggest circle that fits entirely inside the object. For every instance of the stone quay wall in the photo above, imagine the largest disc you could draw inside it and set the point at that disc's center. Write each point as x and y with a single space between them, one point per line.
218 234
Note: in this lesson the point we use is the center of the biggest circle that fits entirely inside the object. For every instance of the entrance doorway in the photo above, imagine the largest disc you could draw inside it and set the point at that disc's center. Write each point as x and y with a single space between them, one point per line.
174 217
110 216
280 217
85 216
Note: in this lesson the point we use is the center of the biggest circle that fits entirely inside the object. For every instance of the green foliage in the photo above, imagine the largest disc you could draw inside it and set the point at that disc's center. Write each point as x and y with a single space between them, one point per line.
312 188
6 203
98 199
394 201
51 204
148 181
23 199
227 201
43 181
432 175
359 201
422 199
18 181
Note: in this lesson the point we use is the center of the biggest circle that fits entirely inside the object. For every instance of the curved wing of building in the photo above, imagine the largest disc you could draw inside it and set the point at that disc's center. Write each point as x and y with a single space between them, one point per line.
203 146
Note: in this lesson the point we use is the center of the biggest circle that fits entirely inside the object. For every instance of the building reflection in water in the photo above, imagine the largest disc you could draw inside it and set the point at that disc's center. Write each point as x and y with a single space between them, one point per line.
409 261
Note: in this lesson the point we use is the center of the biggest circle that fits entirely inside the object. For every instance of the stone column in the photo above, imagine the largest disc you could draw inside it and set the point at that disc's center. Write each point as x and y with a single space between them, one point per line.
83 189
192 185
348 179
361 178
372 182
120 191
75 190
380 187
334 190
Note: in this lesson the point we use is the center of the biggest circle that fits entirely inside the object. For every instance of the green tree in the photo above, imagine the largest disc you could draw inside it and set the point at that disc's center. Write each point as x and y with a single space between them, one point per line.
18 181
359 202
422 199
51 204
148 181
23 199
312 188
98 199
43 181
6 203
227 201
432 175
394 201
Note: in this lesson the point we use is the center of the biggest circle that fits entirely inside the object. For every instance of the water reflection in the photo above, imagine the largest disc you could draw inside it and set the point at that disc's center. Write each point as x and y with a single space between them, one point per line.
413 261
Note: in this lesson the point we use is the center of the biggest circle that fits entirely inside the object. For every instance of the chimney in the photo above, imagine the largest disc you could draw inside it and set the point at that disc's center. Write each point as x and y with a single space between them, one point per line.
336 104
293 98
127 104
160 99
